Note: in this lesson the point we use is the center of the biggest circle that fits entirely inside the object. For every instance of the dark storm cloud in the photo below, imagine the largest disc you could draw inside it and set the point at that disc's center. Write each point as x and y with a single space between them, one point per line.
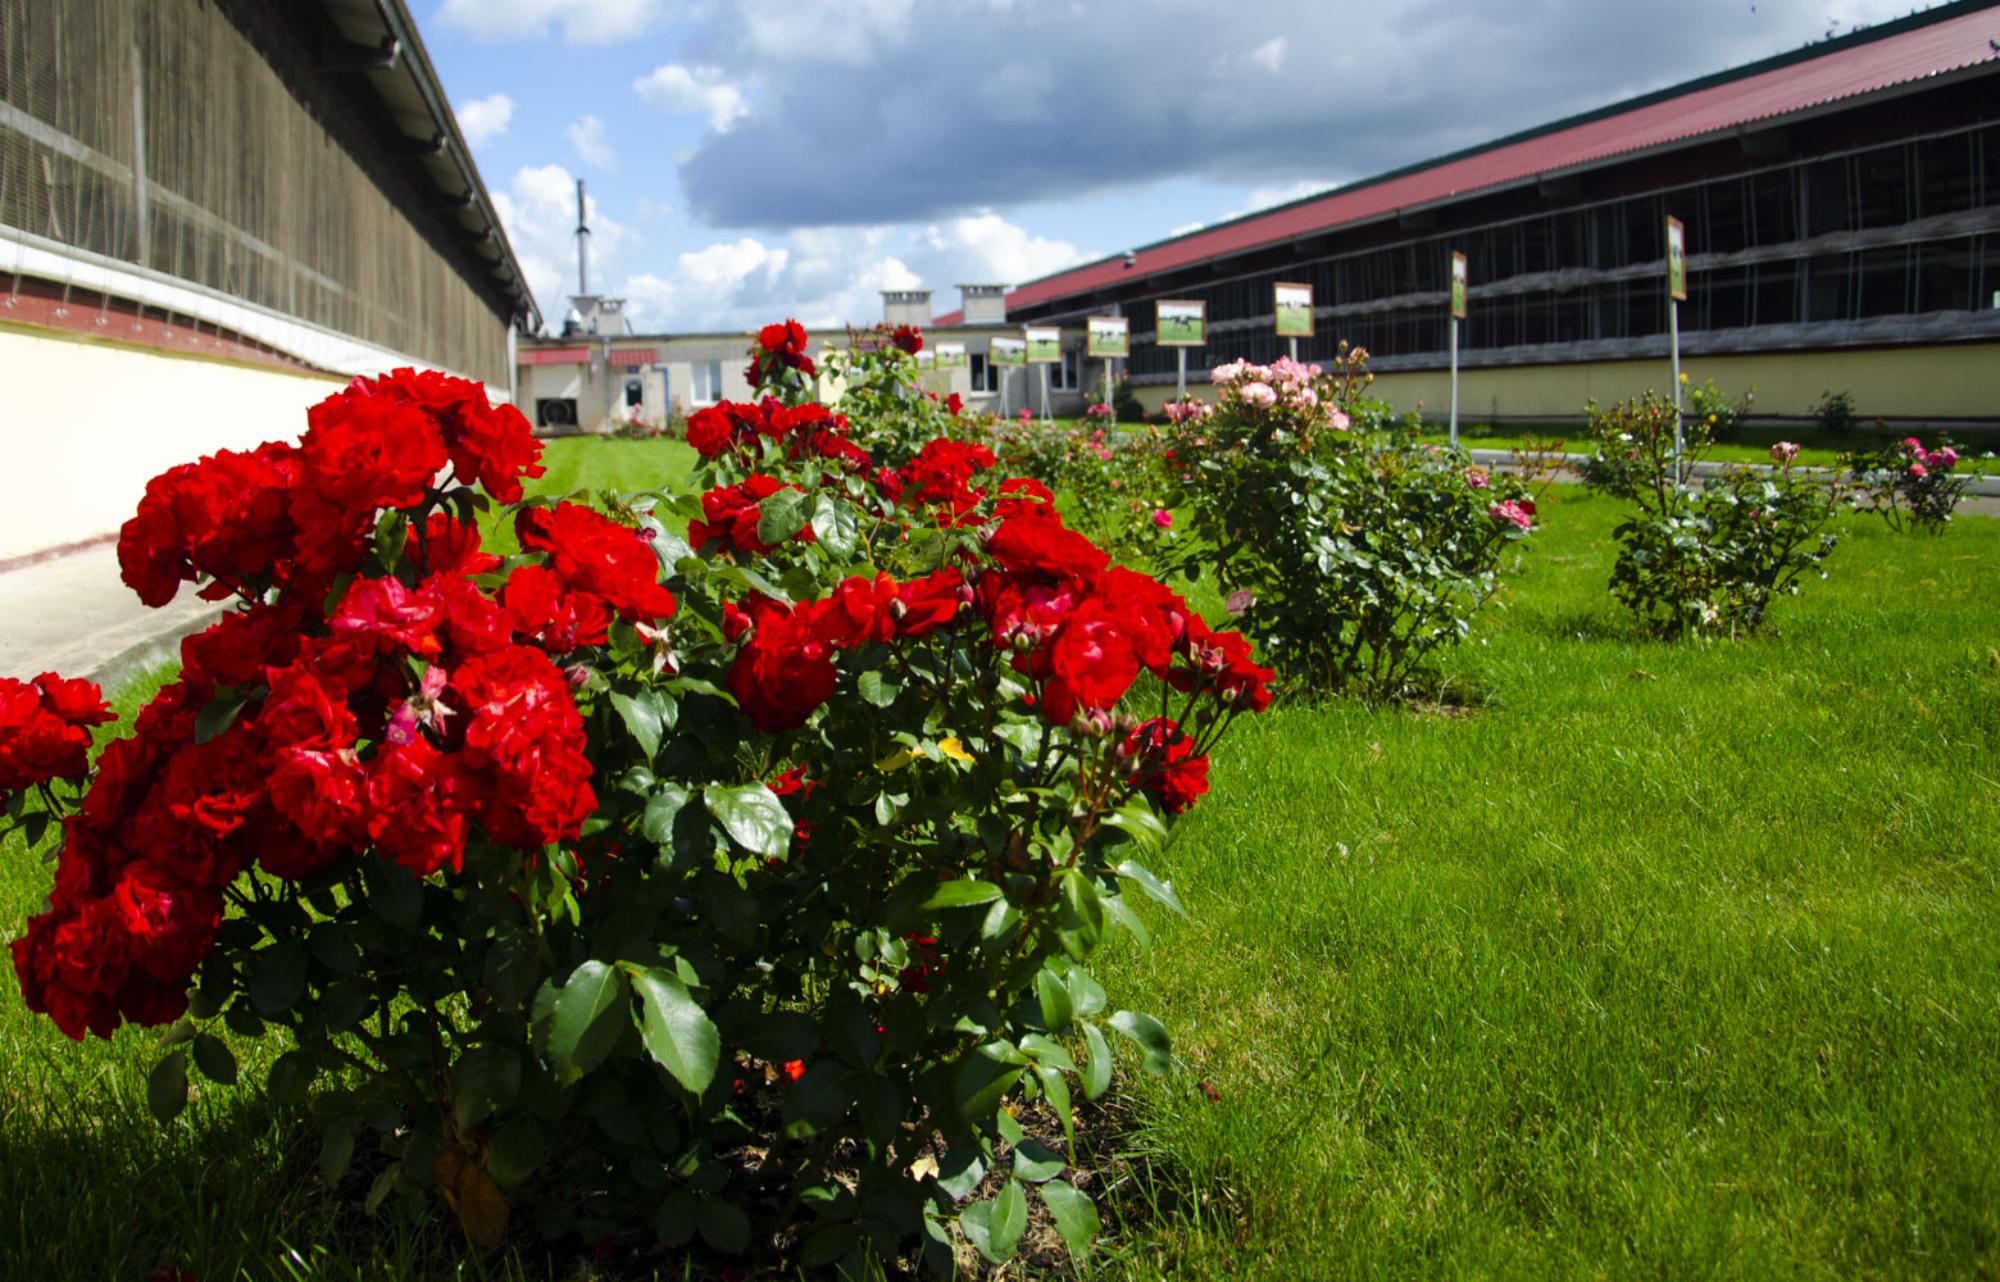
964 105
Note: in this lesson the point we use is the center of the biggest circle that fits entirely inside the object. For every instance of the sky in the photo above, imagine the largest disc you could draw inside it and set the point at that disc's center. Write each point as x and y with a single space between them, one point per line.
748 160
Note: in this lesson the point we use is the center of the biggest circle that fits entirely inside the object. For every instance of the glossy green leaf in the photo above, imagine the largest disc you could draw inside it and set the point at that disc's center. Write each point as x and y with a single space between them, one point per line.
723 1226
963 894
994 1227
1097 1068
277 977
662 808
167 1087
1150 1036
678 1033
986 1075
753 817
1053 995
781 516
642 716
1035 1161
215 1060
1163 891
586 1019
1080 916
1075 1216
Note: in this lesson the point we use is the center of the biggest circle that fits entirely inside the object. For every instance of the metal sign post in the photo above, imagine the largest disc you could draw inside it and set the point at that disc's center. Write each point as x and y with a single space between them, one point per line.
1180 377
1180 323
1677 292
1045 394
1459 277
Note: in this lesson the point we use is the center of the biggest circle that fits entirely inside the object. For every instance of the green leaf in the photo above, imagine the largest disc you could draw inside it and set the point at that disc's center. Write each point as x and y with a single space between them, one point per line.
677 1031
291 1077
277 977
1080 916
963 894
876 689
1053 994
215 1060
517 1148
1096 1069
393 892
994 1227
962 1169
781 516
1150 1036
585 1021
484 1080
753 817
218 716
1139 819
1047 1051
662 808
987 1074
1075 1216
1085 993
723 1226
1163 891
675 1220
167 1087
1121 912
1035 1161
837 525
336 1149
643 716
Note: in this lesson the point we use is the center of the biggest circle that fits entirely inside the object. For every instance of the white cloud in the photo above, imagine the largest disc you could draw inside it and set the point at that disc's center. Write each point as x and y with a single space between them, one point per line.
851 32
1270 55
485 118
586 135
581 21
996 250
538 209
697 90
832 276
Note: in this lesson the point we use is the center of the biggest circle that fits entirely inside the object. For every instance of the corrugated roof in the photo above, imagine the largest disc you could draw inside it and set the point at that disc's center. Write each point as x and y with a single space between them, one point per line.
1949 38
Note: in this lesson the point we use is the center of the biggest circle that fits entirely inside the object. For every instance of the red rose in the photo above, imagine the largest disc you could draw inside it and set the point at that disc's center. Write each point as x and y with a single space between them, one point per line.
361 453
857 610
226 517
594 554
733 511
1164 766
930 603
416 814
1091 661
389 614
524 748
447 545
490 445
908 338
170 927
1040 545
783 672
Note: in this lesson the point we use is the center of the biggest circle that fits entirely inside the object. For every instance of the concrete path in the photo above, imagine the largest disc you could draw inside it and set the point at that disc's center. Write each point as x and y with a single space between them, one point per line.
71 614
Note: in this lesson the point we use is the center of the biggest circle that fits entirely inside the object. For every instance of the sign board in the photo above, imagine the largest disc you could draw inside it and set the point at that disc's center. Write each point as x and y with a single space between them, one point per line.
1007 351
1293 305
1044 344
926 358
1458 286
1180 323
1108 337
1677 260
950 355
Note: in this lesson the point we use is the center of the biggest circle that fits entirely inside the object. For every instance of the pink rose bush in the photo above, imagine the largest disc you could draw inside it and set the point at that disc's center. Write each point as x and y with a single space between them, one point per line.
1909 486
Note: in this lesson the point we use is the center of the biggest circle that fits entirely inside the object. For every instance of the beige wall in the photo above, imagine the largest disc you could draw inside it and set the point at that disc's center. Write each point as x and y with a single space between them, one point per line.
1960 381
88 423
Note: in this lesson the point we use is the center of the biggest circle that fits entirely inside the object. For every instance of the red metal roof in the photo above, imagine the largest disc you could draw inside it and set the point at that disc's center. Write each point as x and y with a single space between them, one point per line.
1926 46
553 355
629 357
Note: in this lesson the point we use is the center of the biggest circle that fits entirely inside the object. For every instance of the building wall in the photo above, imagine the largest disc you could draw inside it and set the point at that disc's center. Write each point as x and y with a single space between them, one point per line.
89 422
1953 383
158 134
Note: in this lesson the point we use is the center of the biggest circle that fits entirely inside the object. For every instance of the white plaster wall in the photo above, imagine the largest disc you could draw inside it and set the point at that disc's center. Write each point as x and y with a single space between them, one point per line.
87 424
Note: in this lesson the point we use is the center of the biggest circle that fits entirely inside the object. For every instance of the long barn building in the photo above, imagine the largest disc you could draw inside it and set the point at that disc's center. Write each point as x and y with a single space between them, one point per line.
1842 213
213 213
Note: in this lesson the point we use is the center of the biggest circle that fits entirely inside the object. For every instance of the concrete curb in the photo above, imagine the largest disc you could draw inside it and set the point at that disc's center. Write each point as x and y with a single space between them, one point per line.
1986 487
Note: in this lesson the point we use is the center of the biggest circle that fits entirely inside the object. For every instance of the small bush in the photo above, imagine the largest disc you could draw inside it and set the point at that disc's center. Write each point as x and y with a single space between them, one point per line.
1910 487
1352 556
1125 402
1835 414
1708 561
1719 414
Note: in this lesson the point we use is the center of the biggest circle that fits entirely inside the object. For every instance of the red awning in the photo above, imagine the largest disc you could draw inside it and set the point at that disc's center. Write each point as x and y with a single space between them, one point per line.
554 355
628 357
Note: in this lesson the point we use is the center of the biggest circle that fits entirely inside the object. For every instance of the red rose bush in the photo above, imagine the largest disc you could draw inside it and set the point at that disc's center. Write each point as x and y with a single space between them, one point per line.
738 887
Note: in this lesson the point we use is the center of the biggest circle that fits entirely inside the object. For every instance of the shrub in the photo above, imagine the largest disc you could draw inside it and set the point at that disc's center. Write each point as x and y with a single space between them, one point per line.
1709 561
1632 445
743 893
1112 484
1352 556
1125 402
1909 486
1719 414
1835 413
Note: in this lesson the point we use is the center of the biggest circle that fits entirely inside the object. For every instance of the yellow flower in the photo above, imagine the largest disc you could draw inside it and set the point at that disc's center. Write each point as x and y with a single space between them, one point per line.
952 748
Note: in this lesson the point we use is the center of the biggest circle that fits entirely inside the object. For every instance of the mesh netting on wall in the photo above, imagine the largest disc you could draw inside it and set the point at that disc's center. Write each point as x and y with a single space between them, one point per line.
237 188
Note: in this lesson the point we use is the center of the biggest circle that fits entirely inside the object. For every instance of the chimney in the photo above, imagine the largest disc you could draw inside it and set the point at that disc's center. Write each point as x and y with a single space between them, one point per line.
984 304
582 245
906 307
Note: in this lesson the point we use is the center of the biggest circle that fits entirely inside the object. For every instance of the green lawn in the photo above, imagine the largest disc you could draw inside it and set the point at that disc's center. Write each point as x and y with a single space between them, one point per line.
1746 445
1671 961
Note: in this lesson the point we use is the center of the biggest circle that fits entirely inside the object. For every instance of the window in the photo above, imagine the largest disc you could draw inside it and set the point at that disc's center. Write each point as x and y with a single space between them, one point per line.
635 392
1063 374
985 375
706 382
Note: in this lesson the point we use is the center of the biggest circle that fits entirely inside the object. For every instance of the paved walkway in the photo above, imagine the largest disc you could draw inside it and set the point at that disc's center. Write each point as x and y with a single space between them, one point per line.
71 614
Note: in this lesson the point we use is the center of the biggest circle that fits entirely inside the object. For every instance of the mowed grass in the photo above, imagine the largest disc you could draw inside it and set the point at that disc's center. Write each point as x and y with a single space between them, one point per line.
1679 961
1670 961
1749 444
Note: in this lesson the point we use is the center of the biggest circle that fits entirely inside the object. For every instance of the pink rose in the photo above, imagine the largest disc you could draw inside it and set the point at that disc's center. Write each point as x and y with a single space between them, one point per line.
1518 513
1784 452
1918 471
1163 519
1946 458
